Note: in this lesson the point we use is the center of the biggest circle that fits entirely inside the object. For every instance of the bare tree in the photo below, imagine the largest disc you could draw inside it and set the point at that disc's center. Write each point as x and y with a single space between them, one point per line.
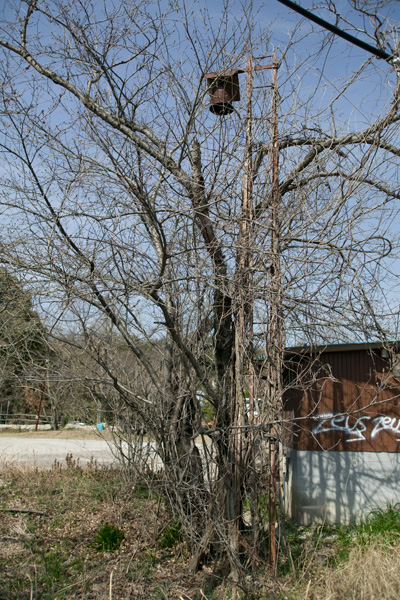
123 196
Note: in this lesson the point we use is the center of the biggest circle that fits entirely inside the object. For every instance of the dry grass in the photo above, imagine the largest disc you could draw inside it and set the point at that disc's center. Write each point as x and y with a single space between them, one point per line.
371 573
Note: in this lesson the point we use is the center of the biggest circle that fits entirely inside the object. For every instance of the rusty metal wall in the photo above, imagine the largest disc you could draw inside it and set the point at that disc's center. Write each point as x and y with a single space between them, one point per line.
343 400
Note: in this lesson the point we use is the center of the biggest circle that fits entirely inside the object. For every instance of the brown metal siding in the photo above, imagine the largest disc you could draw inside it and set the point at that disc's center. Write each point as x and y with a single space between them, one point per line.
346 400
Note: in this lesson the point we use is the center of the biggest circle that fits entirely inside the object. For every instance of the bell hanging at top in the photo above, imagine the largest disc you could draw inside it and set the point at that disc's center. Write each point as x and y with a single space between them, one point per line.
223 89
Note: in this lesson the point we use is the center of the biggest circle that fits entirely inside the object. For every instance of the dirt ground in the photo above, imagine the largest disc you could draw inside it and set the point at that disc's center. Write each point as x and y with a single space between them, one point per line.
85 432
49 524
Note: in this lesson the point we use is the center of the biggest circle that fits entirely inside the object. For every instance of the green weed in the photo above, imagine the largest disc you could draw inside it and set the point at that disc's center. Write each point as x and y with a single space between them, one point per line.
54 567
142 492
380 522
108 539
144 568
170 535
337 541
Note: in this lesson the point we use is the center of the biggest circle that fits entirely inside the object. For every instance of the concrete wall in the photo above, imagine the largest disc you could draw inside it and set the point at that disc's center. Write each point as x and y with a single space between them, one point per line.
337 487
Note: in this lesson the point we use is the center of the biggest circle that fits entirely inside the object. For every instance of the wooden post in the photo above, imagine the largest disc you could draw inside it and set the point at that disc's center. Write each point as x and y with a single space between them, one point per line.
274 337
42 387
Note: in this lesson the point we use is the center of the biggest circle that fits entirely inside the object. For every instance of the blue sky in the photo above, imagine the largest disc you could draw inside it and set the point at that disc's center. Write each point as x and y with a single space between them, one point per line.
303 73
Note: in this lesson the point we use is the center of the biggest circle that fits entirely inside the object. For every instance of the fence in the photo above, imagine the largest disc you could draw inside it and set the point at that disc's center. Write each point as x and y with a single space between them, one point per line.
23 419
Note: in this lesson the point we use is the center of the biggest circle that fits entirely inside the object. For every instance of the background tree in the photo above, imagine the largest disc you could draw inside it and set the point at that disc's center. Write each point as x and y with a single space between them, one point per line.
22 347
123 197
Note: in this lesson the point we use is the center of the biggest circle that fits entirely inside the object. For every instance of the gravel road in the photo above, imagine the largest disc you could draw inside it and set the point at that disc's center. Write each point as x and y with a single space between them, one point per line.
43 452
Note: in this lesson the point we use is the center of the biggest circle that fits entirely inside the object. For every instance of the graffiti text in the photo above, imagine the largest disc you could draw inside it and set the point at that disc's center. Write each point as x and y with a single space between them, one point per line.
356 428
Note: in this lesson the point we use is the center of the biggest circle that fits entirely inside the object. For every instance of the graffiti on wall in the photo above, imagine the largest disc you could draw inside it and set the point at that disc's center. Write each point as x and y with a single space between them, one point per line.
358 428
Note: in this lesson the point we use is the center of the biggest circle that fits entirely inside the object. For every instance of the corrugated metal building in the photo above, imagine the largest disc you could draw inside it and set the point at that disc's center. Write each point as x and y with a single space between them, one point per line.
342 430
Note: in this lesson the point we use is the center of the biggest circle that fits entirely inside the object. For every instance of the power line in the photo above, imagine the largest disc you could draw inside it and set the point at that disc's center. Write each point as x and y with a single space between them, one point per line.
343 34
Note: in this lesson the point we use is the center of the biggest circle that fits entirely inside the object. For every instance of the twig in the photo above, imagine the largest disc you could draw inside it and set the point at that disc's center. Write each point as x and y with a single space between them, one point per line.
31 591
131 559
111 576
24 510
